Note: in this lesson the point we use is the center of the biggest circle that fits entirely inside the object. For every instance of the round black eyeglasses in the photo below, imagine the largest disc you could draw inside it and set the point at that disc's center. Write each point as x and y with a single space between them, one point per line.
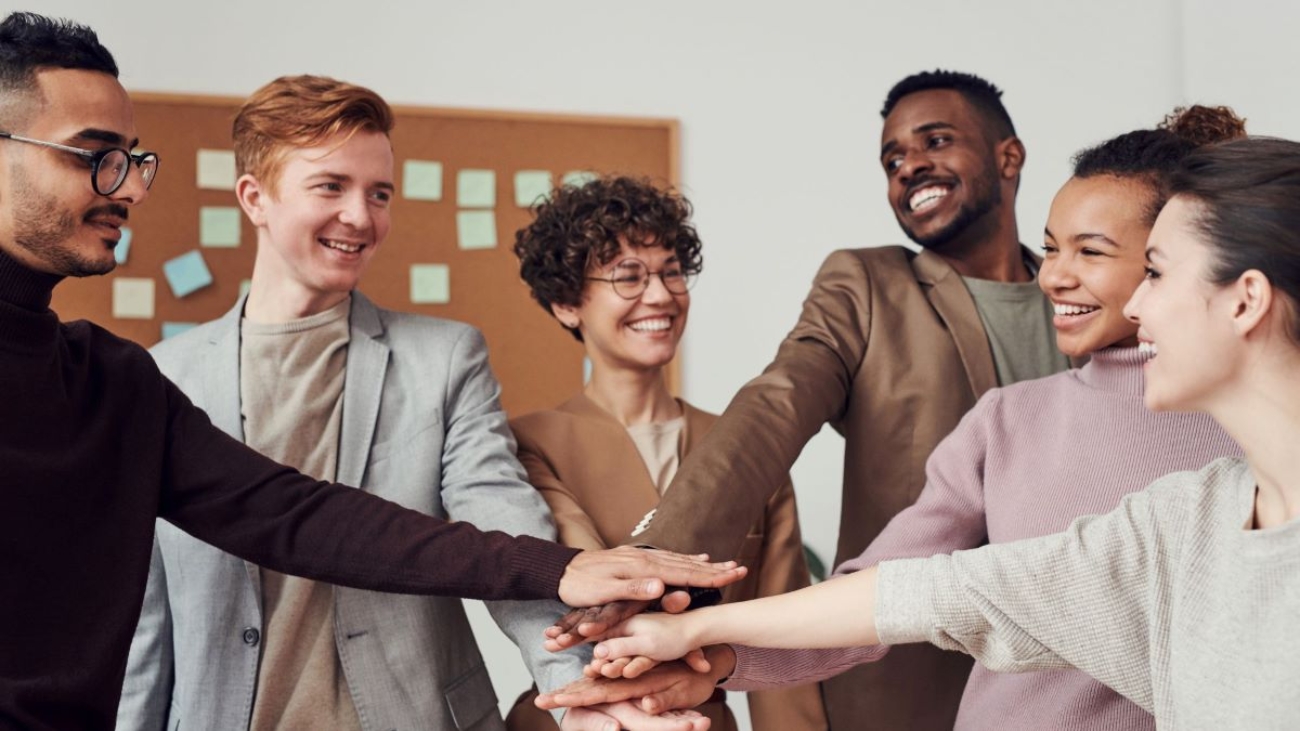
108 167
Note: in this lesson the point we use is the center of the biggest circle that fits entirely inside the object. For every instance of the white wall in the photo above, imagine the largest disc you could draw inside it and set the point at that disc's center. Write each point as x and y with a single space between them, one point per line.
779 109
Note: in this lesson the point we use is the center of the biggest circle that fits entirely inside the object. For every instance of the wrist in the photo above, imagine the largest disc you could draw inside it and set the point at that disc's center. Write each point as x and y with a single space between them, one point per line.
722 662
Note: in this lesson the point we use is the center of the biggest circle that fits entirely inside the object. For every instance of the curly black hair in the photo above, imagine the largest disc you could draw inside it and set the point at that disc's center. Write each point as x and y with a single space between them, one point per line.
1153 155
582 226
978 92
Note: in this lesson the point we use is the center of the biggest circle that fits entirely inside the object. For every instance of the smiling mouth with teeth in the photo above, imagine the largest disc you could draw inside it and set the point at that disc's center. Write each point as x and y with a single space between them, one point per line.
340 246
1071 310
926 197
656 324
1147 349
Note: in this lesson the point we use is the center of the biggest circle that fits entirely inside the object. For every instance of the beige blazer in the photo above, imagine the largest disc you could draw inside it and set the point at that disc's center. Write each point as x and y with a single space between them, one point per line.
889 350
589 470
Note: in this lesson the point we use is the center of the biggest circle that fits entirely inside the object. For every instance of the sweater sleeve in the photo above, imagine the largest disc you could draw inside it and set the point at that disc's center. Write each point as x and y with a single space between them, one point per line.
228 495
1087 598
948 516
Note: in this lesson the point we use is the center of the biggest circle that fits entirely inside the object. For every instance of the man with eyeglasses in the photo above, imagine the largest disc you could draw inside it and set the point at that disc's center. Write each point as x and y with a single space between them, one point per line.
95 443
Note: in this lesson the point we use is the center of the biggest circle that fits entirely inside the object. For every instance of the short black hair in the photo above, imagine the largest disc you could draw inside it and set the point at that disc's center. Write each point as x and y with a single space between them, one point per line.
31 42
978 92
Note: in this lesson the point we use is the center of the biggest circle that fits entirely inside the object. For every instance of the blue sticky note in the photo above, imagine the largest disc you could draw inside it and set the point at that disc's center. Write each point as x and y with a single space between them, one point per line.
578 178
476 229
476 188
187 273
531 186
430 284
422 180
219 226
586 369
172 329
123 248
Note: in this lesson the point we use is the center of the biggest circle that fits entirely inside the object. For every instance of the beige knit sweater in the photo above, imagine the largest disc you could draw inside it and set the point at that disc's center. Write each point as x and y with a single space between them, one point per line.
1169 599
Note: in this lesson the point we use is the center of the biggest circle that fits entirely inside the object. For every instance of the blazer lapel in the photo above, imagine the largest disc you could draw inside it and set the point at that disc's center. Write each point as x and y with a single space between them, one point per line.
362 388
221 377
951 299
610 444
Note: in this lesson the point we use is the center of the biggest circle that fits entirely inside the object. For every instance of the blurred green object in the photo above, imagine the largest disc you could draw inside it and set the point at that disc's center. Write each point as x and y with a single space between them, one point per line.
815 565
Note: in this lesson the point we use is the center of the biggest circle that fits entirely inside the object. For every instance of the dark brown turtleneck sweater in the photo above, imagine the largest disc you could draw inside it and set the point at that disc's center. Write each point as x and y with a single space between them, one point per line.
95 443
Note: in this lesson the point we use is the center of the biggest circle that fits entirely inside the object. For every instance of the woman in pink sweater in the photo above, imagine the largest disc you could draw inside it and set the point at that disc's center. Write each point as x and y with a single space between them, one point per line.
1030 458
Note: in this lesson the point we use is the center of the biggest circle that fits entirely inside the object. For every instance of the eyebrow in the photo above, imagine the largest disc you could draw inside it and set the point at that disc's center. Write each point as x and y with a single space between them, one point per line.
108 137
339 177
927 127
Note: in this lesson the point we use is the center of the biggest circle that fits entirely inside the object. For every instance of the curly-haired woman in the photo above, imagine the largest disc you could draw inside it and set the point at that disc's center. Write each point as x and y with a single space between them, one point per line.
612 260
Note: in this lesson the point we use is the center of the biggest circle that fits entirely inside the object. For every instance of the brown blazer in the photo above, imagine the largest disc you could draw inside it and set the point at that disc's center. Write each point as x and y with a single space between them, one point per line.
889 350
590 473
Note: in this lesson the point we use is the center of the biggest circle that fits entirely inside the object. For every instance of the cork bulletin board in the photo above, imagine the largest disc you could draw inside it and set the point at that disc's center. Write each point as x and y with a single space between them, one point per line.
464 179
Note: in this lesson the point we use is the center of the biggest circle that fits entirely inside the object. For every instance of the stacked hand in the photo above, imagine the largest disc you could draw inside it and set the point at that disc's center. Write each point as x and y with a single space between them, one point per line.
595 578
664 688
627 715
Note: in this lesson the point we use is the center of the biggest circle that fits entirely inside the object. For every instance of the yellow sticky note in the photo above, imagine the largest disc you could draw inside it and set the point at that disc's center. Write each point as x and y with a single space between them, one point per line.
219 226
578 178
476 229
531 186
430 284
133 298
422 180
476 189
216 169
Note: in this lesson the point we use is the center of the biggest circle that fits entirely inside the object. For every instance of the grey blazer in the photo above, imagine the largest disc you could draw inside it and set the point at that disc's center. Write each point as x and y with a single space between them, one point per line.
423 427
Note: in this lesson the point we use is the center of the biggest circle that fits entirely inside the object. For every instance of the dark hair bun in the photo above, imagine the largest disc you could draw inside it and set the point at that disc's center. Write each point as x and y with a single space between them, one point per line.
1200 125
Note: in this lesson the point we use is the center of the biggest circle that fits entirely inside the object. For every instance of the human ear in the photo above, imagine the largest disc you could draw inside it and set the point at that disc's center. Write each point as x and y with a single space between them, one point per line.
251 196
1011 157
567 315
1252 300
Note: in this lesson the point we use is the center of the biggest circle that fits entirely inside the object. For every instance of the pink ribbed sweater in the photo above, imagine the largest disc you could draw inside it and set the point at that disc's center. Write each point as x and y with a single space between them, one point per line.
1025 462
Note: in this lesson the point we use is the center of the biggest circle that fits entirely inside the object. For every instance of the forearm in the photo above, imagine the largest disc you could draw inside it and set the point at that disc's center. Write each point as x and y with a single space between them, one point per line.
832 614
761 668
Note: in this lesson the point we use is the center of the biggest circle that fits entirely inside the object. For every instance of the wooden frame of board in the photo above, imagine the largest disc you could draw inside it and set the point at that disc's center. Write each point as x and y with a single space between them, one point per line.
538 363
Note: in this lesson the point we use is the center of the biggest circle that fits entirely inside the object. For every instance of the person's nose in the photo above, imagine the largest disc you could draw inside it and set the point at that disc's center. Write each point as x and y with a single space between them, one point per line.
655 290
913 164
355 212
1134 306
1057 274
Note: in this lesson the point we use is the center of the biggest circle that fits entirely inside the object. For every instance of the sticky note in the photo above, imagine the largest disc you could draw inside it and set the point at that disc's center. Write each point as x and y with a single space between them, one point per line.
172 329
133 298
216 169
219 226
586 369
430 284
578 178
123 248
476 189
476 229
422 180
187 273
531 186
244 286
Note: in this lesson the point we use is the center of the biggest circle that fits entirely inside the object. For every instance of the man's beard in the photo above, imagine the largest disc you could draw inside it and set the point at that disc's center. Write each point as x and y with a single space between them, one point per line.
988 196
43 228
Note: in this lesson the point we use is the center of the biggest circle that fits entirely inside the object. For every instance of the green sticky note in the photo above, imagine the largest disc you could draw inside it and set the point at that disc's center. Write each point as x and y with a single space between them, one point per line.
216 169
219 226
430 284
578 178
531 186
422 180
244 286
133 298
476 229
476 189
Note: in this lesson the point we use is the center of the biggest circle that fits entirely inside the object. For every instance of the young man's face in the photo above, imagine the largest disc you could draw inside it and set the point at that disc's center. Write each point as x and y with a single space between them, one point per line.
328 213
940 164
51 218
